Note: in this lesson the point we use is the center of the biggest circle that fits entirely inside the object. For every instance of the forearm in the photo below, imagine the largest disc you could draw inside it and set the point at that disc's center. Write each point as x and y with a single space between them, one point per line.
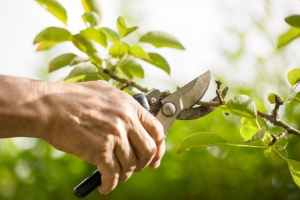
22 110
91 120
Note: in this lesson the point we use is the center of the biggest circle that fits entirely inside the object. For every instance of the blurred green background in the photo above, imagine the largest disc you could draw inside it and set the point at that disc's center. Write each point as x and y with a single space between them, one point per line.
236 40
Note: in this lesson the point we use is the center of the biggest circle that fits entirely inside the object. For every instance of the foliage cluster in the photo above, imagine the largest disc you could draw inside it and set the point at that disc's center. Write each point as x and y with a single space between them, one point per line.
109 56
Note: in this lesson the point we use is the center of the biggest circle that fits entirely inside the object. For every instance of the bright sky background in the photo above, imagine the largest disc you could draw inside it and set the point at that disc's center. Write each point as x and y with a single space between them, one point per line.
201 26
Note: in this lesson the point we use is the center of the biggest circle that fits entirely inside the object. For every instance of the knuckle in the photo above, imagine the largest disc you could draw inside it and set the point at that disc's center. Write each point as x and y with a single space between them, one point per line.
101 150
115 176
125 176
158 127
146 158
128 170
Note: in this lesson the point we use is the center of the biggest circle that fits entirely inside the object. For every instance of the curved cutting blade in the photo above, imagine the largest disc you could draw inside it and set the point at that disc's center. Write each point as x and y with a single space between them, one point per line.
184 98
200 111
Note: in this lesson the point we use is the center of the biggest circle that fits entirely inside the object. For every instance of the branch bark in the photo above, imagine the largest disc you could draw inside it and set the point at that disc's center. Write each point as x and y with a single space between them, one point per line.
272 118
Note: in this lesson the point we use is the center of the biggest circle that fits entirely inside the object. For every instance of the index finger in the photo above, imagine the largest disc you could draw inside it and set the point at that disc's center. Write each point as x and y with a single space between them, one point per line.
156 131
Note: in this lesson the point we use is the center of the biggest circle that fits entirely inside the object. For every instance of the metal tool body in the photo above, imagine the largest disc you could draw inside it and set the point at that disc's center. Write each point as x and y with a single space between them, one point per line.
177 105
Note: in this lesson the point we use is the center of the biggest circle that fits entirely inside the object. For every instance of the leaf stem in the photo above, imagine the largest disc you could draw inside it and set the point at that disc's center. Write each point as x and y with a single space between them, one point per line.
291 91
247 146
257 124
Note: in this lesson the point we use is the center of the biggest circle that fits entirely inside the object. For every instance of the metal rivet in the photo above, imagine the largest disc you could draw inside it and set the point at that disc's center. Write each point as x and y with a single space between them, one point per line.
169 109
153 101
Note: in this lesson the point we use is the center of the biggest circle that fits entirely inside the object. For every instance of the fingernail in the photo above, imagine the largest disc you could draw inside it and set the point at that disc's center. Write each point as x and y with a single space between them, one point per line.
155 164
101 192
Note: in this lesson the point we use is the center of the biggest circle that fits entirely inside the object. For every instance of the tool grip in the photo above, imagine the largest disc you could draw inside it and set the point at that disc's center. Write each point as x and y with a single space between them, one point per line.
92 182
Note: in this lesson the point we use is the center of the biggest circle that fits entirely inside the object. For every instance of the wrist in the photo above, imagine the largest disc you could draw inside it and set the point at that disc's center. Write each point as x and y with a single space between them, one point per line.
23 112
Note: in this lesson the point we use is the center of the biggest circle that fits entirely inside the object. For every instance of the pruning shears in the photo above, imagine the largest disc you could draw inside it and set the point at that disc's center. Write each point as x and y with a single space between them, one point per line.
177 105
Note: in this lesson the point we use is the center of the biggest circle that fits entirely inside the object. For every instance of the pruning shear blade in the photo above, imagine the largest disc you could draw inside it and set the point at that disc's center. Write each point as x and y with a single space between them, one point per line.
184 98
199 111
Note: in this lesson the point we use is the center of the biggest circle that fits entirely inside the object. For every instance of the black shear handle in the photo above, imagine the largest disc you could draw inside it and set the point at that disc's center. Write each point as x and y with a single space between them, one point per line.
92 182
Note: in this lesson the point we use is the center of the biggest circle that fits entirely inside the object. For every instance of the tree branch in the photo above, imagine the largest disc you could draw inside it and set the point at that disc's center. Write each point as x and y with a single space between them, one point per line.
127 82
275 138
278 103
278 122
273 118
219 93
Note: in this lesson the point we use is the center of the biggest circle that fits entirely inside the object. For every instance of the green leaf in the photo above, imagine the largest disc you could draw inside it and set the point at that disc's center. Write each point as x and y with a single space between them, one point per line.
257 122
122 27
283 142
83 43
78 60
161 39
201 139
95 58
84 68
127 73
240 105
159 61
267 152
253 129
51 36
259 135
131 68
91 77
249 122
91 18
104 76
110 34
294 167
96 35
75 79
292 34
138 52
297 98
294 76
55 8
119 49
293 20
91 5
271 98
61 61
45 46
247 132
83 78
279 154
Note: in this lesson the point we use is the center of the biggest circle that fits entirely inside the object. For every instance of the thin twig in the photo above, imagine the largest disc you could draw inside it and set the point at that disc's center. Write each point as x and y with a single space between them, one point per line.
126 82
124 87
219 93
210 103
275 138
278 122
278 103
270 118
273 118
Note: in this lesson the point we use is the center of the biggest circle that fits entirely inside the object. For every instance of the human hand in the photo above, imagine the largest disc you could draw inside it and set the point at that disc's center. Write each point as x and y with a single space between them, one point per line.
105 127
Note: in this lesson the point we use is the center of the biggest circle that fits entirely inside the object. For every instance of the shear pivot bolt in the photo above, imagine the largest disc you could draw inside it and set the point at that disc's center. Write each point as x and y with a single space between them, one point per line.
169 109
153 101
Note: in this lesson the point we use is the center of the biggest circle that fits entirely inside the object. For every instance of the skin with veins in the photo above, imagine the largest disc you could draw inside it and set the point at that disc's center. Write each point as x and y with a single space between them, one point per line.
92 120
